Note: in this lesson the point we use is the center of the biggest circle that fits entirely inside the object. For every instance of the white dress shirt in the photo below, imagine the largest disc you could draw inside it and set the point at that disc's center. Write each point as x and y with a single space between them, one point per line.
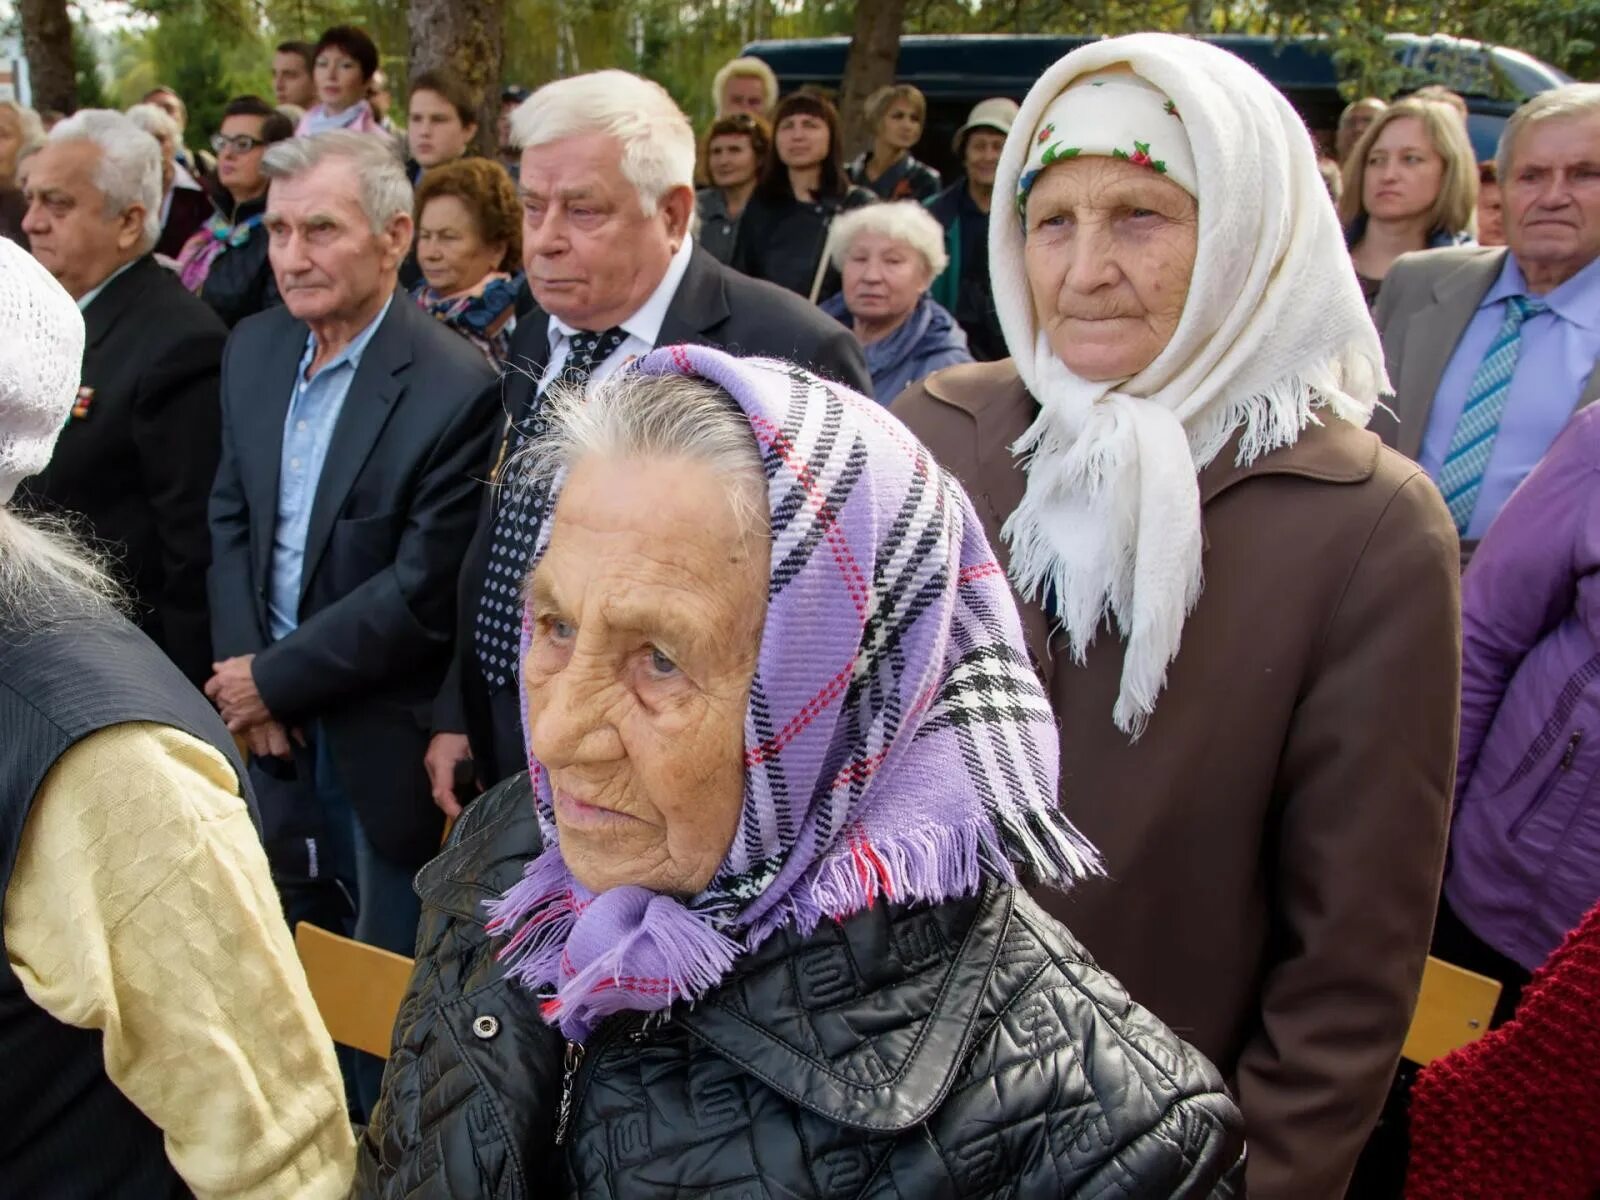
643 328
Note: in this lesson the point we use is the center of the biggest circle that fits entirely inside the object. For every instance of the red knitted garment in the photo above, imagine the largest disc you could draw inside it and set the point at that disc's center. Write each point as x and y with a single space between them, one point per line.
1516 1115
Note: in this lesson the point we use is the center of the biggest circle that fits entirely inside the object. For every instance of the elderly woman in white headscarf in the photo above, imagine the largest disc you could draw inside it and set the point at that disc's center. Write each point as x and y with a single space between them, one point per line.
1243 606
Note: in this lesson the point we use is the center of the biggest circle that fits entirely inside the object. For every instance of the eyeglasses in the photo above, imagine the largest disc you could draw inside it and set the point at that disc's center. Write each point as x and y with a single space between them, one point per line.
239 143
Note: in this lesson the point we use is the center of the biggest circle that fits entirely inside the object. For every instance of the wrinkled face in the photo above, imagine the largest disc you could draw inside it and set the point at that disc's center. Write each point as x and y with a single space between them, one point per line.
982 155
744 93
883 278
731 160
1403 172
901 126
450 247
10 144
72 234
340 82
240 170
435 131
802 141
647 611
291 81
1552 198
1491 221
593 255
328 262
1109 251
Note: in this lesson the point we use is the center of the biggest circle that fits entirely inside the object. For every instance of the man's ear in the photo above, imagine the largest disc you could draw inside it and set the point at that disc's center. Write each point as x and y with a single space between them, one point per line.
130 227
678 206
398 233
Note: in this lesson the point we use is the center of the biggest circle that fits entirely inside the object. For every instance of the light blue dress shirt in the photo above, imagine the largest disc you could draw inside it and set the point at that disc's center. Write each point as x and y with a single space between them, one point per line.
314 410
1560 349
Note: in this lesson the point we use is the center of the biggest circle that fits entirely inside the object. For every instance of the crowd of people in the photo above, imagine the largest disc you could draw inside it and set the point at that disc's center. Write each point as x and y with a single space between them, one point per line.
842 681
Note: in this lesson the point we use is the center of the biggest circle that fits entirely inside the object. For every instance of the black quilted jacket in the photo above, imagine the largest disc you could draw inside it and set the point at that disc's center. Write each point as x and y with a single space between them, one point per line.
969 1049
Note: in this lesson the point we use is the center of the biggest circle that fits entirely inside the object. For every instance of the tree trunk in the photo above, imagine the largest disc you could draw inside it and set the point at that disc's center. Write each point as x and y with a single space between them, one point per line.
874 48
47 41
463 37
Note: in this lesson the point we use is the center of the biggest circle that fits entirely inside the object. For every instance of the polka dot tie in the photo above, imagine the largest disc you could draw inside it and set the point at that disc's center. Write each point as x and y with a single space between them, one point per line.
518 515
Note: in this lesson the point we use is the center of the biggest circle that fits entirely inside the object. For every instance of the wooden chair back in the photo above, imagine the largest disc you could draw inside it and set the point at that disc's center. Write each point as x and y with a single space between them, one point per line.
1453 1009
358 988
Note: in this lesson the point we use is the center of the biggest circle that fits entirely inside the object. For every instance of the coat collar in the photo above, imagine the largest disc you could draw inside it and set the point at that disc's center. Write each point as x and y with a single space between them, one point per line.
781 1013
994 396
118 295
1431 338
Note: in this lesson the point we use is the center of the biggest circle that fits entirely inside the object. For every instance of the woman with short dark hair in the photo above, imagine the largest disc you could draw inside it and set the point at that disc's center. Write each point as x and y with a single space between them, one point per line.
469 249
735 151
226 261
897 115
344 62
783 233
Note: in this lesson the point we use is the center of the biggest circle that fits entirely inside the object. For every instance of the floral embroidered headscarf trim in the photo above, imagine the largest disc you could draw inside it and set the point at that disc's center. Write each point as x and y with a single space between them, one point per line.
1111 115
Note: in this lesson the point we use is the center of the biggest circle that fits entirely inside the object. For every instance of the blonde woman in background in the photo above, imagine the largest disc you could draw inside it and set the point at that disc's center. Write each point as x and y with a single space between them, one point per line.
21 132
1411 183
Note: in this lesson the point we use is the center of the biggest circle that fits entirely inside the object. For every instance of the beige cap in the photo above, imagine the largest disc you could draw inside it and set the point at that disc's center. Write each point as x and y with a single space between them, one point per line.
996 113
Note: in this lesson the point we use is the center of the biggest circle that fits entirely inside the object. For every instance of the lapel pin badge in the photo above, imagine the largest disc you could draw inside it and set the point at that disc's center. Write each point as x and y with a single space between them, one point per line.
80 406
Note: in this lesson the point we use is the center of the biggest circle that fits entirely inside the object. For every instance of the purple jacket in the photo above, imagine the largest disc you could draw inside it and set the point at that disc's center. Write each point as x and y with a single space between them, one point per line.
1525 850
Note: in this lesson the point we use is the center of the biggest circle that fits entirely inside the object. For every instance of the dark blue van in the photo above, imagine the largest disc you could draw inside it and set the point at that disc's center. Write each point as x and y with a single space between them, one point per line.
955 72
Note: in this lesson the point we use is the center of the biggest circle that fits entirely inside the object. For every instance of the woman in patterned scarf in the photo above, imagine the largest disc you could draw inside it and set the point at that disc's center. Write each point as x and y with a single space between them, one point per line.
751 924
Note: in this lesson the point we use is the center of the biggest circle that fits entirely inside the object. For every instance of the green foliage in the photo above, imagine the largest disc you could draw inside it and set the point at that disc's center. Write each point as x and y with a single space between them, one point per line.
86 68
212 49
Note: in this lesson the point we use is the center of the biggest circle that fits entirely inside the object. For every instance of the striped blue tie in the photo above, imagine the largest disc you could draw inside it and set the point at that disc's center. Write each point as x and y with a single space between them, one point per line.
1461 476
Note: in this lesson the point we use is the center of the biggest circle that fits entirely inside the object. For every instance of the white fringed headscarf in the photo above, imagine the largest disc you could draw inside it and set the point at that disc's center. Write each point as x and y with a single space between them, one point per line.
1274 328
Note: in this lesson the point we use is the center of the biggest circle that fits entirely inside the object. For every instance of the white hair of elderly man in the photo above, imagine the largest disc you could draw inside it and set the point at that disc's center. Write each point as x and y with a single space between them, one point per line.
128 171
658 149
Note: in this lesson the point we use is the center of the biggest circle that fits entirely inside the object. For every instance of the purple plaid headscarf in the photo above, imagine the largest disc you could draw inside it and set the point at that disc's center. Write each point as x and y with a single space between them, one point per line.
898 745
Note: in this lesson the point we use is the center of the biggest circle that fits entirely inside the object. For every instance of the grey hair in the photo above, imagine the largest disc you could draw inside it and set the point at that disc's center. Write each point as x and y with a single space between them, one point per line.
385 191
129 170
630 415
48 576
658 147
1572 100
157 123
29 125
902 221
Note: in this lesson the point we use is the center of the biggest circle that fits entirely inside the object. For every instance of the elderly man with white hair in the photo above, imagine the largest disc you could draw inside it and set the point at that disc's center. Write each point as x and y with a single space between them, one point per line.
138 455
607 187
744 85
354 432
185 207
888 256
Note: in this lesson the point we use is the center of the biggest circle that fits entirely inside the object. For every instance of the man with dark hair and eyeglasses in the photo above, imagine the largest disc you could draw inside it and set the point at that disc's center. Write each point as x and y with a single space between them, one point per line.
226 261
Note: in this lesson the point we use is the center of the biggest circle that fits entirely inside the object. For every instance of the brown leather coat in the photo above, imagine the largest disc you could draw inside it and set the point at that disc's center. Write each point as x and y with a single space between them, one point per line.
1275 839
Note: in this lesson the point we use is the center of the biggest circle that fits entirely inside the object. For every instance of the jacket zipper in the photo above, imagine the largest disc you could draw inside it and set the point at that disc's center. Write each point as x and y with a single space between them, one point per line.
1550 785
569 1070
572 1067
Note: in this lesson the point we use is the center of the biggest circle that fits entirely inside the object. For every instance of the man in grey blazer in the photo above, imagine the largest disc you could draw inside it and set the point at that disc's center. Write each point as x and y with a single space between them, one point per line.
1491 349
607 187
354 432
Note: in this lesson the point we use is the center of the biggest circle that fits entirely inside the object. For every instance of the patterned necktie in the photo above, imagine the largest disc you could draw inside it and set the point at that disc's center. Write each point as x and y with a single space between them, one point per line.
1461 476
517 518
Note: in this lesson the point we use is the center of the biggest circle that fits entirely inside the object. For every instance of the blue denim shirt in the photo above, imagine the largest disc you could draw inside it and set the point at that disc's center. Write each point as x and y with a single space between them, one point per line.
314 410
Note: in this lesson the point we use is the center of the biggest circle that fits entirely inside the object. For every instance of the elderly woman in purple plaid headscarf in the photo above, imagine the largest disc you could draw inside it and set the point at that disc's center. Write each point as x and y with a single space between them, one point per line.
751 923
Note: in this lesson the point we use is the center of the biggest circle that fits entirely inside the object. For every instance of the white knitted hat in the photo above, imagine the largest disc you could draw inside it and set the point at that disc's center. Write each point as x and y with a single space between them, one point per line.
41 362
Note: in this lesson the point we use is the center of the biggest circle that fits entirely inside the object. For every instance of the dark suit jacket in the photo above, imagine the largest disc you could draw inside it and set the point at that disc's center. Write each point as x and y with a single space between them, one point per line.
714 306
138 464
393 512
190 210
